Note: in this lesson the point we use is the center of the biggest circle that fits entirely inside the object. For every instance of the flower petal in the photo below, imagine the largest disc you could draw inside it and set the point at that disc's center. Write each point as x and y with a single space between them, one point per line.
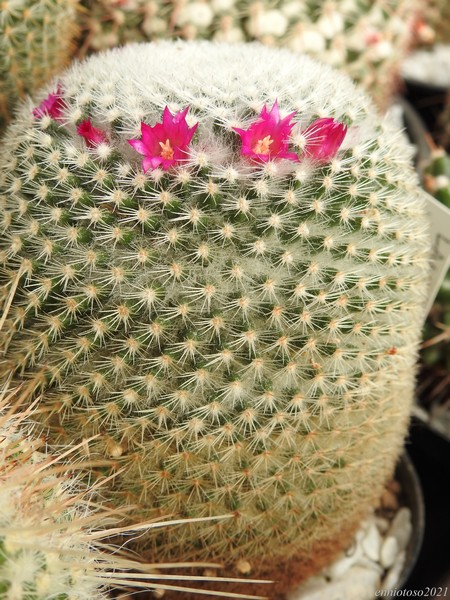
268 137
165 143
138 145
324 137
92 135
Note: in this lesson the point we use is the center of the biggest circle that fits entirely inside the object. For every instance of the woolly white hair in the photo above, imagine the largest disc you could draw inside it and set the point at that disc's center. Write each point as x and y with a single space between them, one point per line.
219 78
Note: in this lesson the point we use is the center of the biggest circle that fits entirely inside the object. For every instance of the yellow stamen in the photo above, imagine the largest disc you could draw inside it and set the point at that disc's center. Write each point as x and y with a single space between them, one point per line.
263 146
166 150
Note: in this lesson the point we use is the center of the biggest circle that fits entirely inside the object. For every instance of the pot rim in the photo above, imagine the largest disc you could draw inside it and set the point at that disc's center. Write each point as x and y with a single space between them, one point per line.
407 476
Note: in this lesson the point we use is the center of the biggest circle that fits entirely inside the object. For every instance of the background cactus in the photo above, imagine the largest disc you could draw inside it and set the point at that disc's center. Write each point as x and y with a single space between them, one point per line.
242 333
437 18
36 41
52 532
368 39
46 544
110 23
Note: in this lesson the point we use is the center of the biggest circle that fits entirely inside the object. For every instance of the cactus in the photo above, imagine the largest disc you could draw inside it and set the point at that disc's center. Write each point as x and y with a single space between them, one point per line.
36 41
109 23
429 65
368 39
52 534
238 320
443 125
435 21
47 546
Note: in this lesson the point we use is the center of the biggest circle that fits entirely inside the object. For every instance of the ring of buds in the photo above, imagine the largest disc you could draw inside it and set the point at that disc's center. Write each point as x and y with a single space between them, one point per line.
167 143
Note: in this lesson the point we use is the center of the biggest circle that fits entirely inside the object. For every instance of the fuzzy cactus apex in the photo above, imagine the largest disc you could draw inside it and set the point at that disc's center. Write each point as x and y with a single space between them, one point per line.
215 259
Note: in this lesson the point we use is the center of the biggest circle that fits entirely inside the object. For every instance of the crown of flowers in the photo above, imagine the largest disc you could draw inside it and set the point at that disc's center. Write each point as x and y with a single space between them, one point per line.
167 143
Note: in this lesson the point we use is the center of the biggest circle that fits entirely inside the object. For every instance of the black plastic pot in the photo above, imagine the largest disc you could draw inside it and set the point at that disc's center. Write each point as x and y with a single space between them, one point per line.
412 497
429 378
430 453
416 132
434 444
433 393
429 101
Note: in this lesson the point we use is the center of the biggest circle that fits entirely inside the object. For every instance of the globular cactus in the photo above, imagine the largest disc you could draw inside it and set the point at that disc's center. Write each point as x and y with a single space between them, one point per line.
36 41
368 39
214 256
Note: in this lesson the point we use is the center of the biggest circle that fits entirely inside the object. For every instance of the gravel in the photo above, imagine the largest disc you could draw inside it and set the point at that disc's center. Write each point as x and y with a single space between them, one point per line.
374 561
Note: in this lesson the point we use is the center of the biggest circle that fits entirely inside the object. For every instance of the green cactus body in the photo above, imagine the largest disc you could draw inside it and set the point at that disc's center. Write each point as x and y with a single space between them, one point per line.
368 39
36 41
241 334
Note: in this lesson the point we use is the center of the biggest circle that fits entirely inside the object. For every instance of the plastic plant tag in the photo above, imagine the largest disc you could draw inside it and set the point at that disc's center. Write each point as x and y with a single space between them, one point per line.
440 249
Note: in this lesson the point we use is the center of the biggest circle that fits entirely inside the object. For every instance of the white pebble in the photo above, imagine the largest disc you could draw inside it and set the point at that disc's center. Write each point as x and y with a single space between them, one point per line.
359 583
371 543
370 565
340 567
393 575
357 573
313 585
389 552
401 527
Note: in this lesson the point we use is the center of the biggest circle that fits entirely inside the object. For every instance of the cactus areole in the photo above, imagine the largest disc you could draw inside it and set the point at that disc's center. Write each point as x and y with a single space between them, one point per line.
215 258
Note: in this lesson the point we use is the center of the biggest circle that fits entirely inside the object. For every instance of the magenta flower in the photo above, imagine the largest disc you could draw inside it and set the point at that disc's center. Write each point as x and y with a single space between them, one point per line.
165 143
52 106
91 134
268 137
324 138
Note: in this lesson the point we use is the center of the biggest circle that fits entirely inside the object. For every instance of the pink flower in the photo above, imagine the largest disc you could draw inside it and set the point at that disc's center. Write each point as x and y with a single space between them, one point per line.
268 137
165 143
324 138
52 106
91 134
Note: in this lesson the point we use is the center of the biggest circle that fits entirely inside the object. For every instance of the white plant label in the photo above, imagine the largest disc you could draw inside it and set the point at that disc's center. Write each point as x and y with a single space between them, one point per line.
440 246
